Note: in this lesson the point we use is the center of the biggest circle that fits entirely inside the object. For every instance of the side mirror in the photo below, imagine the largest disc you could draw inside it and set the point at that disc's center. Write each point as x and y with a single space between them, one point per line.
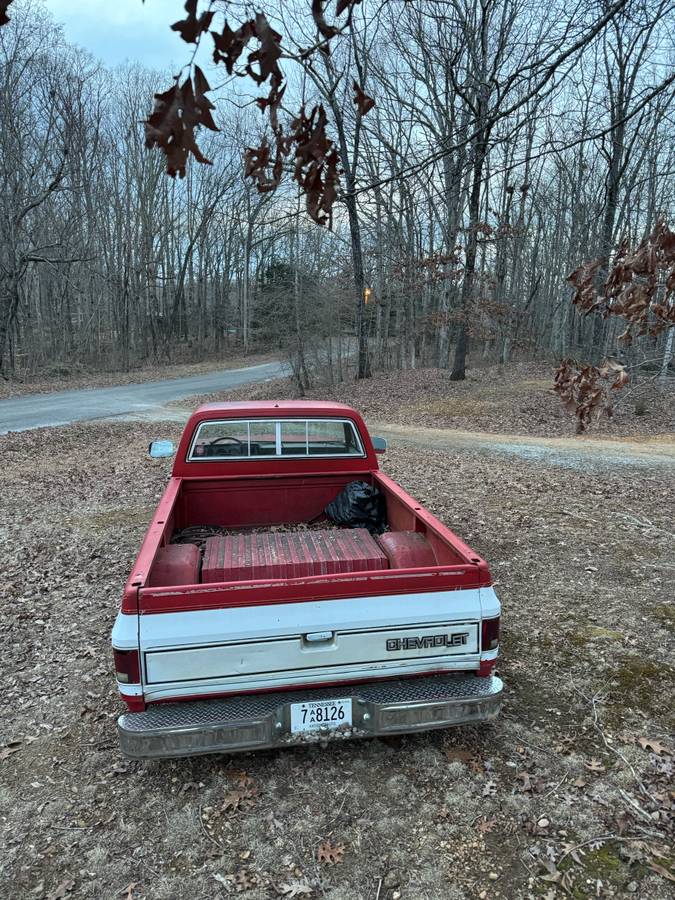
160 449
379 444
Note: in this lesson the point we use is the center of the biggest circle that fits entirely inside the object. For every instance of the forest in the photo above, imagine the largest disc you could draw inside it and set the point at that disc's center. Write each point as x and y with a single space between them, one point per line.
508 144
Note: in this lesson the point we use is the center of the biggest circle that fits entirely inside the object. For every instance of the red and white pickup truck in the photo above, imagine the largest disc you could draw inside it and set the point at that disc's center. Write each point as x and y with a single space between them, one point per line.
250 619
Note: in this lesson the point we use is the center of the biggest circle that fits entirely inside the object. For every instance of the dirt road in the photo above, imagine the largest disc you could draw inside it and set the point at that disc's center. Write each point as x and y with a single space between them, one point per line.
573 452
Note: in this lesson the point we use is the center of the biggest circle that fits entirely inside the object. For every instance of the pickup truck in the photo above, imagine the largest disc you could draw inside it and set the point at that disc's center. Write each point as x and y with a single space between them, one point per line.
251 619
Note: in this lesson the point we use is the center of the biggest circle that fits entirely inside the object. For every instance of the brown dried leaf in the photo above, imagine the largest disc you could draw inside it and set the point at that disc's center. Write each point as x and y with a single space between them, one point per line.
655 746
229 45
239 799
525 781
268 54
485 826
245 880
455 755
631 289
362 101
595 765
325 30
342 5
191 27
240 777
176 114
4 18
331 854
585 389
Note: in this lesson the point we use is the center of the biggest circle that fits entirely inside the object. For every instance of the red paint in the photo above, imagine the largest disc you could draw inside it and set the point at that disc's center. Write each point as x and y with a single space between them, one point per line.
407 549
486 667
158 534
246 557
267 490
298 590
176 564
134 704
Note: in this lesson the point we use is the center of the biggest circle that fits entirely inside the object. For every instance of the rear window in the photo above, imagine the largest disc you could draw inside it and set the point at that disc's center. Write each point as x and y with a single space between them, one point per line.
252 438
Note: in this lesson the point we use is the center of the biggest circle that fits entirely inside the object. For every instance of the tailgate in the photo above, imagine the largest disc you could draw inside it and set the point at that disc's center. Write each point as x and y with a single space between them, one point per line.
244 649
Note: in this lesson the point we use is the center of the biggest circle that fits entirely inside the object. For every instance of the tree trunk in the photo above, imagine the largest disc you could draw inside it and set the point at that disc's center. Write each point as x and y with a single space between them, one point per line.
462 345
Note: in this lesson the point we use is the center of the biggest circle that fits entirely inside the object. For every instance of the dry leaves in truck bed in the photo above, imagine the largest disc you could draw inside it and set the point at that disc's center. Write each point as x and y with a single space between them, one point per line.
199 534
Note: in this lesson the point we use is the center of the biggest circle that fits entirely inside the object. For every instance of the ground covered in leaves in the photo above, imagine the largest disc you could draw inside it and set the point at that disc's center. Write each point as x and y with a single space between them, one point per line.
509 400
569 793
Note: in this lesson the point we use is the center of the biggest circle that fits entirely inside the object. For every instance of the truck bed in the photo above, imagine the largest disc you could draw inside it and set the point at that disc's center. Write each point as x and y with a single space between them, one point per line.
279 505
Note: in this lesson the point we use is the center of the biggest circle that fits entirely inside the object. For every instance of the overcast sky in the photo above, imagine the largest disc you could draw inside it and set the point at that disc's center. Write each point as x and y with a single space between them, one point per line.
118 30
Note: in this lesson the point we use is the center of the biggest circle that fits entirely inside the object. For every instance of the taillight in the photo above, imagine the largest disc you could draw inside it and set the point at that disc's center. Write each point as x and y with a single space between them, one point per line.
490 636
127 666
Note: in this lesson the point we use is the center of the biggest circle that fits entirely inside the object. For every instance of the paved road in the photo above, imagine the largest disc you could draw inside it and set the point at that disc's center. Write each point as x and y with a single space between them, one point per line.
41 410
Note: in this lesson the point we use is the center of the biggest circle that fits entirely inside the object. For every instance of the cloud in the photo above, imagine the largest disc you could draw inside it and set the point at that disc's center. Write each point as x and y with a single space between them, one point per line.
115 31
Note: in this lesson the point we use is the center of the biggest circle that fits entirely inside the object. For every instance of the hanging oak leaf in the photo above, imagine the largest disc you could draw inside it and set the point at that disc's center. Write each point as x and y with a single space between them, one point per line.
363 102
163 121
326 30
171 125
229 45
191 27
4 18
202 103
342 5
267 55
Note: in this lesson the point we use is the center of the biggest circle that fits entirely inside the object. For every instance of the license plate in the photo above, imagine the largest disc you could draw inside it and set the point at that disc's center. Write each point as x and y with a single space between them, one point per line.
314 715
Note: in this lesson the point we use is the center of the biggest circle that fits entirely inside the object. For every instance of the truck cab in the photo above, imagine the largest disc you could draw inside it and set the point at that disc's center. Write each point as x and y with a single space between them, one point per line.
258 613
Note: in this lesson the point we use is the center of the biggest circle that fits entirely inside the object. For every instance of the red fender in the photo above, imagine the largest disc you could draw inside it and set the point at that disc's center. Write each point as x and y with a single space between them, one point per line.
407 549
176 564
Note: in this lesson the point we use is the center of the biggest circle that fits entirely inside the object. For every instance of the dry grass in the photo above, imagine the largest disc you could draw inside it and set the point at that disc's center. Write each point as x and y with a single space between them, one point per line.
587 615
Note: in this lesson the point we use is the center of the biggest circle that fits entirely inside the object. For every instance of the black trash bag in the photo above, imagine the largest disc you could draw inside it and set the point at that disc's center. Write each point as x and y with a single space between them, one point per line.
359 505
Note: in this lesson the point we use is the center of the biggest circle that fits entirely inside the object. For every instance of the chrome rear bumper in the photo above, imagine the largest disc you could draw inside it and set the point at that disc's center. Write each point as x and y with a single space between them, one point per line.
257 721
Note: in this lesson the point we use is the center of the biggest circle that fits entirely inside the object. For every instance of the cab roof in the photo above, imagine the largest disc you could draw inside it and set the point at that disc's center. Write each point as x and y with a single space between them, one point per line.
273 409
276 408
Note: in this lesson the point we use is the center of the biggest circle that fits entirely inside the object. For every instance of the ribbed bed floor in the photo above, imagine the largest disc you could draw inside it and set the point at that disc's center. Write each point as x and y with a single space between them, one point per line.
246 556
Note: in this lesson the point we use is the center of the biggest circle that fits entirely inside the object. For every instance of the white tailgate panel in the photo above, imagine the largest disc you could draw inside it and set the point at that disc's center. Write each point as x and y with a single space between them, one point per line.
246 648
265 657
